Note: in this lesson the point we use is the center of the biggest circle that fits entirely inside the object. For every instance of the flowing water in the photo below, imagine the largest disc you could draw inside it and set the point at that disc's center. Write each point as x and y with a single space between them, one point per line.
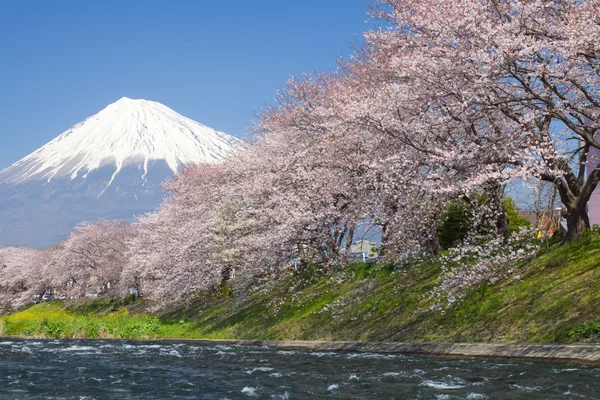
97 369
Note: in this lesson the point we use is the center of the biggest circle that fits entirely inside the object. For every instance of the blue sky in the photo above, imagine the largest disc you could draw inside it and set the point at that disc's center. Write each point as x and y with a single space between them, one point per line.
217 62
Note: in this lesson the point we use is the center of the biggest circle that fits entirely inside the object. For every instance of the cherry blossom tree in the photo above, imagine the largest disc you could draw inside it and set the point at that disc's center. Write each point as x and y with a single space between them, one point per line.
372 173
174 253
518 74
92 258
23 274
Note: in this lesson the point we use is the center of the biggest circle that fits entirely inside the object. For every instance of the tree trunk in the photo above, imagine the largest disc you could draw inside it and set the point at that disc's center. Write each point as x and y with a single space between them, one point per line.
226 275
387 232
385 239
577 222
349 240
502 224
137 283
432 241
575 194
349 236
496 199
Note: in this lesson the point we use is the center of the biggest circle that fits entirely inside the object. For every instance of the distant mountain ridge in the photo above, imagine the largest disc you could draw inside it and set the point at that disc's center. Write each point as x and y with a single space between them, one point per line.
108 166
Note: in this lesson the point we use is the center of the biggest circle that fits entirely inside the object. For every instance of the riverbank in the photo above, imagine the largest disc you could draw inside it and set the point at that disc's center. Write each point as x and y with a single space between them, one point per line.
553 299
587 353
578 353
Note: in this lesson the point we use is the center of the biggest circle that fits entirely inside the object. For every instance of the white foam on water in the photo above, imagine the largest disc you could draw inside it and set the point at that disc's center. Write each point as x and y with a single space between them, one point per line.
80 348
569 392
122 390
559 370
149 346
172 353
262 369
6 343
500 365
526 388
49 350
285 396
276 375
402 374
139 346
353 377
371 355
23 349
250 391
441 385
288 352
333 387
476 396
323 354
482 382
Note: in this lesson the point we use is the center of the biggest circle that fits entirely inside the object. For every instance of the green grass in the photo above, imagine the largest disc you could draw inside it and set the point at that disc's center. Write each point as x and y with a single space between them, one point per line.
54 320
556 299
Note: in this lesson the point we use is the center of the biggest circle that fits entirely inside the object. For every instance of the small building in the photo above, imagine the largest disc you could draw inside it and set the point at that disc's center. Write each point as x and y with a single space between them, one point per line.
363 250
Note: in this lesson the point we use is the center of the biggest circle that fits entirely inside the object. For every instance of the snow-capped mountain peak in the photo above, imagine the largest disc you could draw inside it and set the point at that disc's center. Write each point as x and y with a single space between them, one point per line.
129 131
109 166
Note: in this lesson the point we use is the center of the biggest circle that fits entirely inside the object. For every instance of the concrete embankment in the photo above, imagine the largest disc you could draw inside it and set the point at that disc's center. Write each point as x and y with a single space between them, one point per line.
587 353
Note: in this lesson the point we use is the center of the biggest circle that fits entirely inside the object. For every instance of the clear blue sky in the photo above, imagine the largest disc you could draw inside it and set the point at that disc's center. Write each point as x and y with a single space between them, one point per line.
217 62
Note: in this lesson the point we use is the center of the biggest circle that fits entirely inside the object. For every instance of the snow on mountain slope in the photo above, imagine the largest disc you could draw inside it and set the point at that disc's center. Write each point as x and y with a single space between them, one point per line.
127 131
108 166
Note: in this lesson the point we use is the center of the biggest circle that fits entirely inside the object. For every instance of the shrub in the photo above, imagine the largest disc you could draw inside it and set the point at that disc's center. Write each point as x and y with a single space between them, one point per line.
585 331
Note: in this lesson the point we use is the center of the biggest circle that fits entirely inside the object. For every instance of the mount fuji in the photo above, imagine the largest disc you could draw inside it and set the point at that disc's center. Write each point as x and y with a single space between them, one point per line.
108 166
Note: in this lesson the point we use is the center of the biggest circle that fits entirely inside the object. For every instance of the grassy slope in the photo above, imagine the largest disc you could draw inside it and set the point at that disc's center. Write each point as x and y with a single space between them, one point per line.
557 299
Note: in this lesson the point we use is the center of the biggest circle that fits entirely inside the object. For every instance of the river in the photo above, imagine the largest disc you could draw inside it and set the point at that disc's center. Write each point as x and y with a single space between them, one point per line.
98 369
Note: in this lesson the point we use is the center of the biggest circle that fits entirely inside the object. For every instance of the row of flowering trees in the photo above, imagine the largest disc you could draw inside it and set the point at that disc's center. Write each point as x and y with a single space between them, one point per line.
446 99
90 261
